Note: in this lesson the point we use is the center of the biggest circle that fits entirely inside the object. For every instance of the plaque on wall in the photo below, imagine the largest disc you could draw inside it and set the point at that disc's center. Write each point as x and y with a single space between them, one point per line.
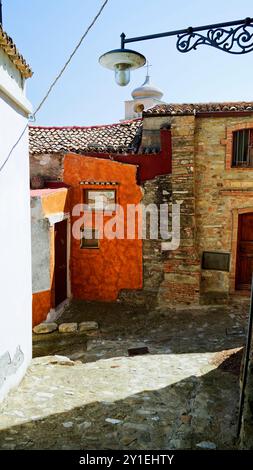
216 261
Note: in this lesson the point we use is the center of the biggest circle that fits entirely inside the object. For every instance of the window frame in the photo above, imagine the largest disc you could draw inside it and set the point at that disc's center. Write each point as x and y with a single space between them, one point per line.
227 141
100 190
238 139
82 239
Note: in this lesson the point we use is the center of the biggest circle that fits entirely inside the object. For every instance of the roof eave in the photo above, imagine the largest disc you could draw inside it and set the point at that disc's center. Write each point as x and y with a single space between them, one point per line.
201 114
8 46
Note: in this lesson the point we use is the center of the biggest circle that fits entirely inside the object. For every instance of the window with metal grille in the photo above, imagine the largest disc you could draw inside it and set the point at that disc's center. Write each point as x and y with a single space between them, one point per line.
243 148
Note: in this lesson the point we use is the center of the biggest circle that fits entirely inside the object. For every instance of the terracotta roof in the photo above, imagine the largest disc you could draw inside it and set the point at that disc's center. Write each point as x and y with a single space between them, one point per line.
199 108
8 46
124 137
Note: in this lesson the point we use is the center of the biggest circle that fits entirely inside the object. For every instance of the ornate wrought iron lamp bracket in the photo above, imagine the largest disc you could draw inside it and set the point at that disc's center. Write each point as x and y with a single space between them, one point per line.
234 37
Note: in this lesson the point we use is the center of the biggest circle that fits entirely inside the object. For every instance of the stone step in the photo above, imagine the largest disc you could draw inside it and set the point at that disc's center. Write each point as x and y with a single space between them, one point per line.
50 339
59 343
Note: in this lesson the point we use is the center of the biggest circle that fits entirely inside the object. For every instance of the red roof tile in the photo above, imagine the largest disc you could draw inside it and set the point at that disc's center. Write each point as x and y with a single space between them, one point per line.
199 108
8 46
124 137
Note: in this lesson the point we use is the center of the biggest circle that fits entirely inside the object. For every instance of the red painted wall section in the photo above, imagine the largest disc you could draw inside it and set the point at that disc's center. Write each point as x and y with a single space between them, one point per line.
152 165
148 165
100 274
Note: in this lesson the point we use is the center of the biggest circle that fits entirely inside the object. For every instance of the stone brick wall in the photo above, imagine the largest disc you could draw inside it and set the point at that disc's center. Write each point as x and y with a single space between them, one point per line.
221 194
157 191
211 194
181 267
50 166
172 277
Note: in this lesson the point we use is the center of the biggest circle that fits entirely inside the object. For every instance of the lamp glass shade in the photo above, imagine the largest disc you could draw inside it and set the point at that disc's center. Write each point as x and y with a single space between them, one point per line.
122 74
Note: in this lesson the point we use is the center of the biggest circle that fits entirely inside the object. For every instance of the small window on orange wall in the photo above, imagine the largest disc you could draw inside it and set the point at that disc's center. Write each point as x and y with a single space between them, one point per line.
89 238
100 199
243 148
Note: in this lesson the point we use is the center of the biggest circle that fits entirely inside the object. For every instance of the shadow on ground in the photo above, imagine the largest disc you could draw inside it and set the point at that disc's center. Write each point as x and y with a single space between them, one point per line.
184 392
122 327
179 416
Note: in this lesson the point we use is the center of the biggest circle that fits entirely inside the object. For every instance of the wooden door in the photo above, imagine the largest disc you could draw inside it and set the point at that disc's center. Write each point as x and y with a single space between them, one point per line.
60 262
244 265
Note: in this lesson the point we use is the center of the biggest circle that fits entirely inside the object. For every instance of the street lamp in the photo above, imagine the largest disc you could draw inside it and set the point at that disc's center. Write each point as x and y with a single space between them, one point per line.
122 61
234 37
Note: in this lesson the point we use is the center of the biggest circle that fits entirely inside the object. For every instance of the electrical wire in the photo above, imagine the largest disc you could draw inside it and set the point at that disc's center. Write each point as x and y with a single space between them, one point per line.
55 81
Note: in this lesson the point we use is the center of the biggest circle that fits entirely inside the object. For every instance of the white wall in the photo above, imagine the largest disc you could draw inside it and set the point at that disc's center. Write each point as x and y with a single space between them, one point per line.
15 234
147 103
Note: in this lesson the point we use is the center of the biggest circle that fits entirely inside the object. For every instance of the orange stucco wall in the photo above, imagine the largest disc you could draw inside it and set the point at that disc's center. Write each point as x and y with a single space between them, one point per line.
41 306
55 202
100 274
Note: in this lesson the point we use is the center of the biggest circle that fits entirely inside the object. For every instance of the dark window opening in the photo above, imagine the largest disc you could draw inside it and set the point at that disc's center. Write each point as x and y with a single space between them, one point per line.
243 148
89 238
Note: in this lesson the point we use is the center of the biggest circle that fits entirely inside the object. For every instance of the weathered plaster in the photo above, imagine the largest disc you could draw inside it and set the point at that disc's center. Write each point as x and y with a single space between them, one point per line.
48 165
100 274
56 203
55 218
9 367
42 302
47 209
15 247
40 247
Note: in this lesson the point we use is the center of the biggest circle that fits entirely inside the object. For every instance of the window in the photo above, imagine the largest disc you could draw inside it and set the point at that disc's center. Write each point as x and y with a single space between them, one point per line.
243 148
100 199
89 238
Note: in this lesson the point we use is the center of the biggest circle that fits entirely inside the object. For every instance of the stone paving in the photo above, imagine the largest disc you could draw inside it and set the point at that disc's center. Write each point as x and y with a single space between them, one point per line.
183 394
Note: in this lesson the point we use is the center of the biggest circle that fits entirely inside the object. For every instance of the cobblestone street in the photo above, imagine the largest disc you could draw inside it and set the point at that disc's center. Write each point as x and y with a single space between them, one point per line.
89 394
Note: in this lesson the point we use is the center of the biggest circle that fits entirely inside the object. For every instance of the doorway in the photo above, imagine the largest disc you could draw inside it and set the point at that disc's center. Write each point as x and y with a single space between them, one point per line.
244 262
60 262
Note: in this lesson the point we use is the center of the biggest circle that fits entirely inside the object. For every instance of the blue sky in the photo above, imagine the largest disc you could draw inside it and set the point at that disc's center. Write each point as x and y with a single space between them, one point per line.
46 31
